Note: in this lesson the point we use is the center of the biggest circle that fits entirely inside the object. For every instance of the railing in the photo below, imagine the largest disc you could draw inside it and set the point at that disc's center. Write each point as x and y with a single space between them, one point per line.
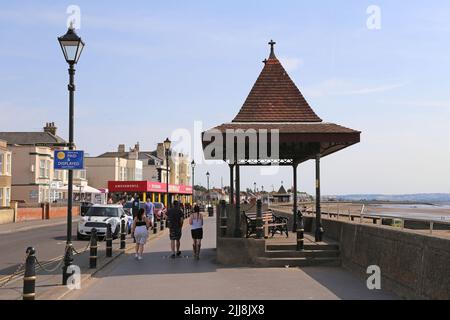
398 220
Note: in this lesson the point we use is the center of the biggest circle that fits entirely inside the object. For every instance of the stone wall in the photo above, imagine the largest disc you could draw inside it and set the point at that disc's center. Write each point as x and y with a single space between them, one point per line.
239 251
6 216
36 212
414 266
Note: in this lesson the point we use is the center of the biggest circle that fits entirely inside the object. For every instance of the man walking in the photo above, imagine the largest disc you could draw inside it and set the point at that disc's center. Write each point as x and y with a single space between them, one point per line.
149 211
175 220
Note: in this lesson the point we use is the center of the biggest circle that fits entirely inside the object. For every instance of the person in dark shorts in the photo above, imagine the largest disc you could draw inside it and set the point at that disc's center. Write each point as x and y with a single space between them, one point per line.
175 220
196 222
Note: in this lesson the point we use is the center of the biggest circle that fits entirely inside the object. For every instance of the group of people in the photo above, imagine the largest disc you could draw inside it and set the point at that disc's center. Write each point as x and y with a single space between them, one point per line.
175 220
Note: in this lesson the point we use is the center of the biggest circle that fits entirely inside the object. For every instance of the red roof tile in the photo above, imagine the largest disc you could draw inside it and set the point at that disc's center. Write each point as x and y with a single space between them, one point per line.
275 97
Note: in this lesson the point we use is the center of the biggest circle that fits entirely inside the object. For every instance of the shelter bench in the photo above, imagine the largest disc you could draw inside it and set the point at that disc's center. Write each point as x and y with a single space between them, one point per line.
271 223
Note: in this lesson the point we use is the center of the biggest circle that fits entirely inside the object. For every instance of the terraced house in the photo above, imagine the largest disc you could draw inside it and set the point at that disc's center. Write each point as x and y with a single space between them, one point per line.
33 178
5 174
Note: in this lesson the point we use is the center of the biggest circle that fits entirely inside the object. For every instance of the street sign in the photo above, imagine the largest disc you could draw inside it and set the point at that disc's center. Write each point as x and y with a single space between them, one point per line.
69 160
52 145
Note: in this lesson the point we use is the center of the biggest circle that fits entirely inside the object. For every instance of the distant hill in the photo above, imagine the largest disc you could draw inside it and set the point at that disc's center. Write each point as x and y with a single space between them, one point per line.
419 197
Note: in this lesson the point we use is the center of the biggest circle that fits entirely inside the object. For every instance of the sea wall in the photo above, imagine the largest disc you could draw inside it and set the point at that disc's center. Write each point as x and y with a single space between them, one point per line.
413 265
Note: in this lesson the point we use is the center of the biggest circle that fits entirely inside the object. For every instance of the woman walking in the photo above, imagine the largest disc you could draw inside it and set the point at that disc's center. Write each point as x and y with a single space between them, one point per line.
196 222
139 231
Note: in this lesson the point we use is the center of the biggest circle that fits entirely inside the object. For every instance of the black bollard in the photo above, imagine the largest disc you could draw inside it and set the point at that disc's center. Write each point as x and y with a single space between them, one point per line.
123 234
29 278
162 223
155 227
108 241
68 259
93 250
259 220
300 231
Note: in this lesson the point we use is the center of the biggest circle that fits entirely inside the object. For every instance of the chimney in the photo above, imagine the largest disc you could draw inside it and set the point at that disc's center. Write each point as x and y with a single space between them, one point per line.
121 148
50 128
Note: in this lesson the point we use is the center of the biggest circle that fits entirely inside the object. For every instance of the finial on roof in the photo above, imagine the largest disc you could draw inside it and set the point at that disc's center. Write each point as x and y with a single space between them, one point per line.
272 52
265 61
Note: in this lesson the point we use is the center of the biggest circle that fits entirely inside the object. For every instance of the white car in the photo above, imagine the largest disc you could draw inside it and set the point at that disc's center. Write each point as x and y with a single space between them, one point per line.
98 216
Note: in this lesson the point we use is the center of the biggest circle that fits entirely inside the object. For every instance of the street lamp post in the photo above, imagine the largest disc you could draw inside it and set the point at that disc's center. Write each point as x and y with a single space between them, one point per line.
193 177
72 46
167 144
207 180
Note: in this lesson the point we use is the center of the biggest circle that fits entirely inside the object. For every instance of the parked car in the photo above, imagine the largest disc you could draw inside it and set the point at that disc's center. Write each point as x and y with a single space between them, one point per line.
98 216
129 205
159 210
85 207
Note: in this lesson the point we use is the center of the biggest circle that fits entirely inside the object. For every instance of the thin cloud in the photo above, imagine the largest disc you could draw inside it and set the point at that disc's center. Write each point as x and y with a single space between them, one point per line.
420 103
290 63
340 87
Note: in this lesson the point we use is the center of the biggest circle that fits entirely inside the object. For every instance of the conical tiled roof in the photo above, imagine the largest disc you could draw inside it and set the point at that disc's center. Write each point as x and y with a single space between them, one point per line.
275 97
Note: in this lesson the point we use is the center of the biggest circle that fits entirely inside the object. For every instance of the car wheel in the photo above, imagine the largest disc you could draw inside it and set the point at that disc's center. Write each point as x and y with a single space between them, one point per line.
80 236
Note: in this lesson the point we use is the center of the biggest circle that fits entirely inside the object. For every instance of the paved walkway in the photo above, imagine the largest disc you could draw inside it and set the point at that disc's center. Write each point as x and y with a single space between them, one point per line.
159 277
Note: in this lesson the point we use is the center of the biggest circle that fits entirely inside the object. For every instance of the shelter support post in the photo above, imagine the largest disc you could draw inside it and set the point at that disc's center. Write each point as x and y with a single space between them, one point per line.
231 183
237 228
319 229
294 192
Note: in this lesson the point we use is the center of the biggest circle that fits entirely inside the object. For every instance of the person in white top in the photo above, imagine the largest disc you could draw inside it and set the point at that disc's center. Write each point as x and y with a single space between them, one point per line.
196 222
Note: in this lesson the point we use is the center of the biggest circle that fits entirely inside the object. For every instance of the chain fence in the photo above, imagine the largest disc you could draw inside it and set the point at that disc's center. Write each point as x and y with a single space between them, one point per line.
42 265
18 270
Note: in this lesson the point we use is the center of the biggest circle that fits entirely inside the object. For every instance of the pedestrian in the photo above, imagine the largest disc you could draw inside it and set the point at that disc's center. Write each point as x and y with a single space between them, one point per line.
139 231
175 220
196 222
149 211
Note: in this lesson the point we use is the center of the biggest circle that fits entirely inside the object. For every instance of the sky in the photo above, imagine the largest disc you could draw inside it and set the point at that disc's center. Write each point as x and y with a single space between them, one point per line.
157 69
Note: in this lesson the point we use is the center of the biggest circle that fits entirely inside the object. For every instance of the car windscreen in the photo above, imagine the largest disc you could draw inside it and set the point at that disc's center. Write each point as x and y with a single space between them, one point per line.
103 212
158 205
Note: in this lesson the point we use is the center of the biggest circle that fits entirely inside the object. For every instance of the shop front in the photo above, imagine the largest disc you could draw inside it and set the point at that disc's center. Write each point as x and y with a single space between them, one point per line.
155 191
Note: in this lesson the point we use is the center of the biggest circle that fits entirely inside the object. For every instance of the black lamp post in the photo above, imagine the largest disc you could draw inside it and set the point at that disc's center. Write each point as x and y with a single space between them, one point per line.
193 176
254 187
167 144
207 180
72 46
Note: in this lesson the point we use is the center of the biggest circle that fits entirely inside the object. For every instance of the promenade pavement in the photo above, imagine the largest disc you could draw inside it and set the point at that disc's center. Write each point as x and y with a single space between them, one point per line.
160 277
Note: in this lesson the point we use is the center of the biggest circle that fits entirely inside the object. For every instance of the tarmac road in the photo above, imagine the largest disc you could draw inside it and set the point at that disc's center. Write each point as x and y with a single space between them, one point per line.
49 242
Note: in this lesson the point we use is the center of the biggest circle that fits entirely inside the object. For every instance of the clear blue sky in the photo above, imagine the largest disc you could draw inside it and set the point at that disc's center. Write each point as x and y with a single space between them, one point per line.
151 67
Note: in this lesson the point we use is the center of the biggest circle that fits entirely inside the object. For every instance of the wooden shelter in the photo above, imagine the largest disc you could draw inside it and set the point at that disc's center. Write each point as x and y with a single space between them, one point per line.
276 117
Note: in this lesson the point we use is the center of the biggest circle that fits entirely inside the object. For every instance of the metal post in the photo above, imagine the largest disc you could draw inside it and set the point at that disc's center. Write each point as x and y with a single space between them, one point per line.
223 218
162 222
68 258
231 183
155 227
193 186
29 278
237 227
123 234
108 241
93 250
300 231
167 179
259 220
319 229
294 209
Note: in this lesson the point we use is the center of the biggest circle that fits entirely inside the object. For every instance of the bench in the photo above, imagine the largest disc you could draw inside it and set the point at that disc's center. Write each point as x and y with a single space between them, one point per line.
271 223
